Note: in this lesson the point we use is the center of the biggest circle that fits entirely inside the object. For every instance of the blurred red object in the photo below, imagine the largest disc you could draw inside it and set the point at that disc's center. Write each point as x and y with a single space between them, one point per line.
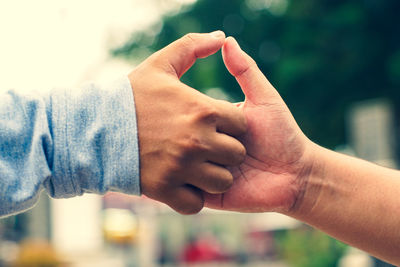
203 249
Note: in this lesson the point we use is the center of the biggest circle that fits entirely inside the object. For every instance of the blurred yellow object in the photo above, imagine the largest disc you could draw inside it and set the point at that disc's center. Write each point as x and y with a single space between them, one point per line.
37 254
120 226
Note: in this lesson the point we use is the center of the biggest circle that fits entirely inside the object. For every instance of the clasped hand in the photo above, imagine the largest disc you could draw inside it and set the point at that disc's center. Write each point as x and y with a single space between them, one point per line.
193 148
253 157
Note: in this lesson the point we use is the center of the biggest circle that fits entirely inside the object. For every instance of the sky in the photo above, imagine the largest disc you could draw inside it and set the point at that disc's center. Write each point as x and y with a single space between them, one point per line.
54 43
49 43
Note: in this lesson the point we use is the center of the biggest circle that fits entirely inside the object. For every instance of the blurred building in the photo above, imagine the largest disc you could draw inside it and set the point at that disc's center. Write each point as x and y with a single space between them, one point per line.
371 129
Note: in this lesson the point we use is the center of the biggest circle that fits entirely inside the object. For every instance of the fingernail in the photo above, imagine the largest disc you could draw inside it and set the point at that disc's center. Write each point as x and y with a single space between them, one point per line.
218 34
234 41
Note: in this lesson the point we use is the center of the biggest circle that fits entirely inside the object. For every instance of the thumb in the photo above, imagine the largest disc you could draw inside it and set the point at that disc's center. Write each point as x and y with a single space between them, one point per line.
254 84
181 54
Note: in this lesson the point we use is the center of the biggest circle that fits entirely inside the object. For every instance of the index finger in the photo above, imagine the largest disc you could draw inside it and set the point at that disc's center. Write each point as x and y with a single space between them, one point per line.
181 54
231 119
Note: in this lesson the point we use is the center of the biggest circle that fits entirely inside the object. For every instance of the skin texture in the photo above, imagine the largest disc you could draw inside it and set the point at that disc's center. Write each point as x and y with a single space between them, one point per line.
186 138
350 199
276 147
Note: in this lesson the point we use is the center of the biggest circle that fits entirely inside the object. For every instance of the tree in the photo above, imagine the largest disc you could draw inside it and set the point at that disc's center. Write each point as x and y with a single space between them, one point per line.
321 55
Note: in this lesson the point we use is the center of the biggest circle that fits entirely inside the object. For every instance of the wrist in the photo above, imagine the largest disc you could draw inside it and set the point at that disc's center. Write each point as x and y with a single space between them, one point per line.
310 181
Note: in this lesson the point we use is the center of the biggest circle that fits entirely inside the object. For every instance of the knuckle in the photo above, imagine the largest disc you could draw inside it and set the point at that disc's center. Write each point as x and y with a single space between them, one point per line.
197 143
173 167
189 42
181 153
209 114
189 38
193 143
155 60
251 65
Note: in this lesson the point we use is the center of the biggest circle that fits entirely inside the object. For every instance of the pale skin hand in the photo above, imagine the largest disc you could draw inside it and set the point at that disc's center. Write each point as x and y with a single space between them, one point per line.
276 147
350 199
186 138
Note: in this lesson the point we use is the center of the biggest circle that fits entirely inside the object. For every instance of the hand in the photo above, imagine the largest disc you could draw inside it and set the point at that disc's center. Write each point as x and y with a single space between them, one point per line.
278 160
185 137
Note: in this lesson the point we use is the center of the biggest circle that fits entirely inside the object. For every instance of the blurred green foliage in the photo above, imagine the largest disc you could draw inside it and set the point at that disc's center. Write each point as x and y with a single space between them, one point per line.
321 55
306 247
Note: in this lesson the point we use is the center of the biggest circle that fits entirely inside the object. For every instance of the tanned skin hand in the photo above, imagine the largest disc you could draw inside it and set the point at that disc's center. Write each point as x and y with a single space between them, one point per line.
186 139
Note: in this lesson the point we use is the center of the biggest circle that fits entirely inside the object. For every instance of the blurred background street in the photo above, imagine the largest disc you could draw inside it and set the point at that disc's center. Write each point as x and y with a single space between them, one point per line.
335 63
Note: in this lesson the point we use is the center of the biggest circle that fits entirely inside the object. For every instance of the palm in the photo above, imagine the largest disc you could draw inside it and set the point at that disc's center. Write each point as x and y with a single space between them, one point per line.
268 178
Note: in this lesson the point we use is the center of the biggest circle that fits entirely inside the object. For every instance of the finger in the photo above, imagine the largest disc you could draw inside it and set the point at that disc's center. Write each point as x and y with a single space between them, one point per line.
254 84
231 119
214 201
181 54
211 178
226 150
186 200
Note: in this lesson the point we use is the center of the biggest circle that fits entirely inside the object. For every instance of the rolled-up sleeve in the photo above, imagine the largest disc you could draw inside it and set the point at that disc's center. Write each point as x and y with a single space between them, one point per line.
67 142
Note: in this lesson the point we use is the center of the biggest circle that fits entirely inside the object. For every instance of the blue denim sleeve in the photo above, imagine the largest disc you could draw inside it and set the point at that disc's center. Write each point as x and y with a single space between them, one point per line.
67 142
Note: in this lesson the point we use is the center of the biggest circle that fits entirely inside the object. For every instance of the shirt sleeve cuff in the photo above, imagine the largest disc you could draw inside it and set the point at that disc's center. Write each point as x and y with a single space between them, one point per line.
95 138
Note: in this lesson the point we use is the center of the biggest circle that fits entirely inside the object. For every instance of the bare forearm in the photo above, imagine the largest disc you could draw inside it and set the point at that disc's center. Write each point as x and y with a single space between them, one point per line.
350 199
355 201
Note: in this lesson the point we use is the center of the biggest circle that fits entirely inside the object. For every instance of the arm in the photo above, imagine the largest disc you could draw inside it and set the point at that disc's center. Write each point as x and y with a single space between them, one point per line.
69 142
355 201
350 199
